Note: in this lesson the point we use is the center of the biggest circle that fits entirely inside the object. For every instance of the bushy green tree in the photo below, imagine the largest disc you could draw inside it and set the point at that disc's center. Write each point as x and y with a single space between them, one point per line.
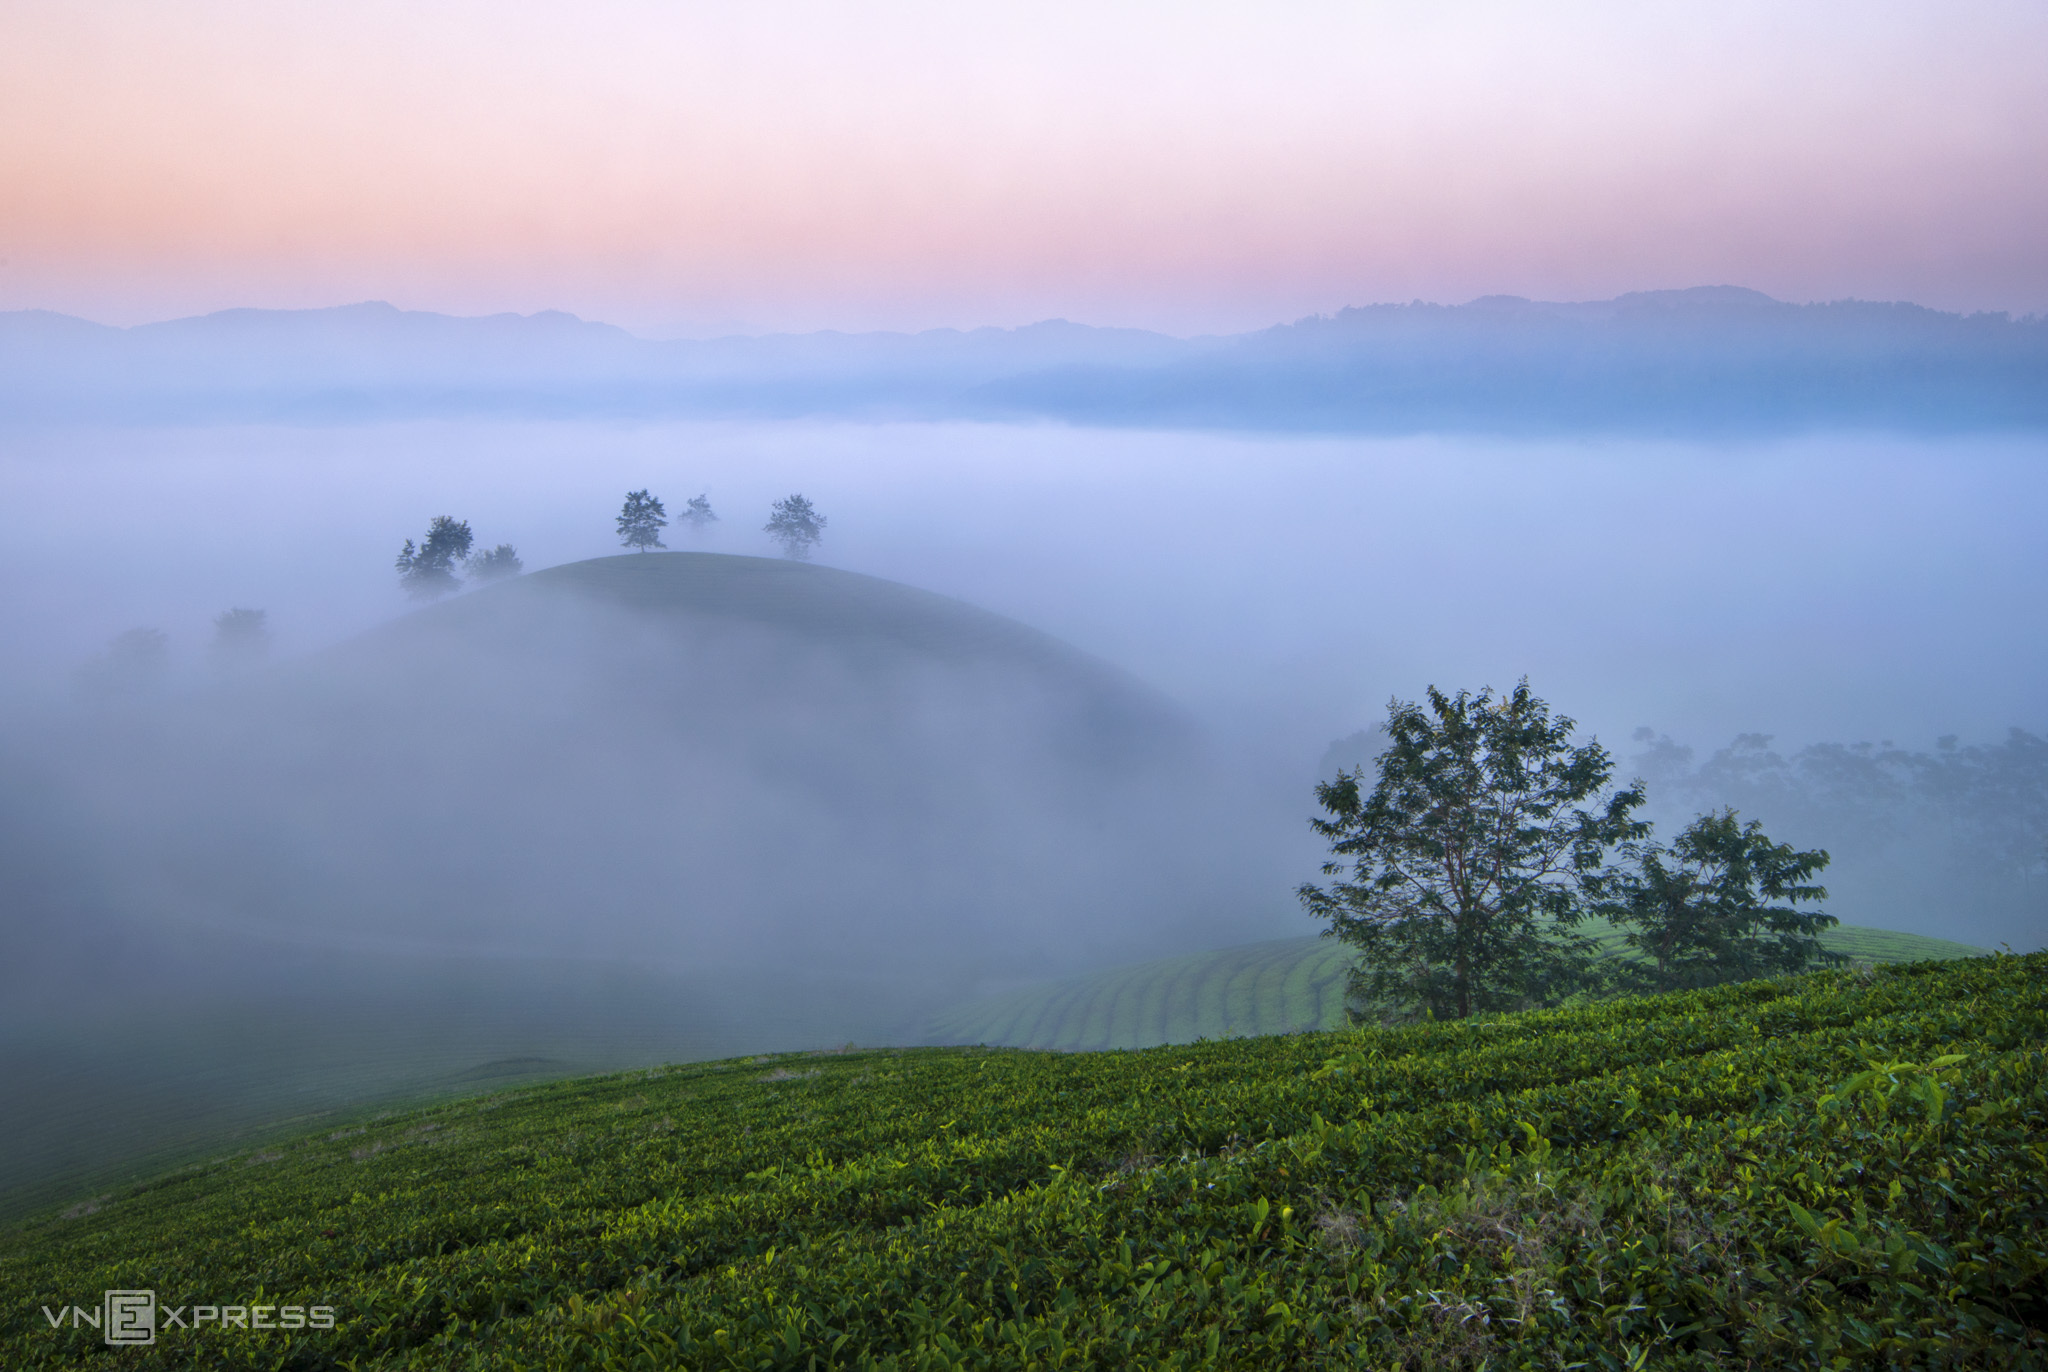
796 524
1466 853
641 521
428 570
1701 912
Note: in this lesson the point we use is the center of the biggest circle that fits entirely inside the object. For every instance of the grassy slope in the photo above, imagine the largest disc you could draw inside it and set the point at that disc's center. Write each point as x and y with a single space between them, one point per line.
1261 988
1674 1182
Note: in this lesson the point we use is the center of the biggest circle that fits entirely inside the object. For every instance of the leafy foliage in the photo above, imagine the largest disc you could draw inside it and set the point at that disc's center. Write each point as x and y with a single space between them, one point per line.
1960 825
1845 1169
796 525
428 571
1468 855
641 520
698 515
1697 910
494 564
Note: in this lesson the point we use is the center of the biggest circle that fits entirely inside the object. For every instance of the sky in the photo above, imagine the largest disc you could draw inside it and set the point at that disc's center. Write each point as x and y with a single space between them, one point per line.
694 169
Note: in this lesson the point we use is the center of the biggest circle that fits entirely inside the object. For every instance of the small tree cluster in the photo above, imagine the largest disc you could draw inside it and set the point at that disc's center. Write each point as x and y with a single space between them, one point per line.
426 570
792 522
1486 838
495 564
643 517
137 663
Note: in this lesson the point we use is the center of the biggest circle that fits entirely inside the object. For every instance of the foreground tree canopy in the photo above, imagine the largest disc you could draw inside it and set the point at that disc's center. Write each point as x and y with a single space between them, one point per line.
1474 847
1468 854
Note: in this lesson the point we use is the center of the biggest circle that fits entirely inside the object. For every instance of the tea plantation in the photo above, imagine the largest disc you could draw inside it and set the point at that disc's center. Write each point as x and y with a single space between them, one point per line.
1275 987
1846 1169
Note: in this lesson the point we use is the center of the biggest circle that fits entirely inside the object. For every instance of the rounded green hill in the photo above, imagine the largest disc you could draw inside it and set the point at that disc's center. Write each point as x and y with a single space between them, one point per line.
801 599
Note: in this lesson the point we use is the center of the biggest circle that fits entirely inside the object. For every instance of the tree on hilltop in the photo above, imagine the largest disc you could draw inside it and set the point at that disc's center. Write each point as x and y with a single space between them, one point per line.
641 521
494 564
428 570
1465 848
796 525
698 515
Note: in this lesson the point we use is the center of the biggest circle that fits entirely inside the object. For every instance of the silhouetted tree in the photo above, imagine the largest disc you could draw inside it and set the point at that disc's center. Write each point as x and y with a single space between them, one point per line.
1698 910
796 525
641 521
429 570
240 637
1468 858
494 564
697 514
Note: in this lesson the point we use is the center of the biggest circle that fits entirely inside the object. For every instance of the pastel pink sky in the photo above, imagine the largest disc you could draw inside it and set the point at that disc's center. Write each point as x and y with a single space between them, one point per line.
695 168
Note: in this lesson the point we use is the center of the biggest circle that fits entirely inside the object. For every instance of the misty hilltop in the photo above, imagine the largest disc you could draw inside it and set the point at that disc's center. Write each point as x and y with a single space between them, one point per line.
635 808
1718 360
689 760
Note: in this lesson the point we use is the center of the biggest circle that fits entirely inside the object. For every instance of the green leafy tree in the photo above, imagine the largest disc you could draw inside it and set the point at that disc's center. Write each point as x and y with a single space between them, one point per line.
641 521
796 524
698 515
428 570
1701 912
494 564
1466 863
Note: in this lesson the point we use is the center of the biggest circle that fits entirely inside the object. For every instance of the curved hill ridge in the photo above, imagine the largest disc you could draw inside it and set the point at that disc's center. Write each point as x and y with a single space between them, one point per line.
881 629
1277 987
802 598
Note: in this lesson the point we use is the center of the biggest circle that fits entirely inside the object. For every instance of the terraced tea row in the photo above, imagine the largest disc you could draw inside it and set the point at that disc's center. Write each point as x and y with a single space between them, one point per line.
1842 1167
1263 988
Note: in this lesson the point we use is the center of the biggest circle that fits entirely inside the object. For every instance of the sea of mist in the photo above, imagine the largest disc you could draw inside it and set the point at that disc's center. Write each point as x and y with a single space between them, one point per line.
1831 589
1819 588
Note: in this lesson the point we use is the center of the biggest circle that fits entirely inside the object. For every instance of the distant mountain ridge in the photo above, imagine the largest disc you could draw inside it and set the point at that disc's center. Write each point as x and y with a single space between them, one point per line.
1713 359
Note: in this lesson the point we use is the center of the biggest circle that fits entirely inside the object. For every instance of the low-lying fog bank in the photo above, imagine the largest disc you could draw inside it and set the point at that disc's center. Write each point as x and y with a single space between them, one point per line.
520 825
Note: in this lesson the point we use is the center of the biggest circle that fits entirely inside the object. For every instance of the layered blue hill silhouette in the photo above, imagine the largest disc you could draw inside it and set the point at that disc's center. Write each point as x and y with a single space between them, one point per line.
1709 360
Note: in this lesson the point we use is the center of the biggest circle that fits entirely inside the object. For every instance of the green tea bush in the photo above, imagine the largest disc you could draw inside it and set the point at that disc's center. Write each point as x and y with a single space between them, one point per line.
1839 1170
